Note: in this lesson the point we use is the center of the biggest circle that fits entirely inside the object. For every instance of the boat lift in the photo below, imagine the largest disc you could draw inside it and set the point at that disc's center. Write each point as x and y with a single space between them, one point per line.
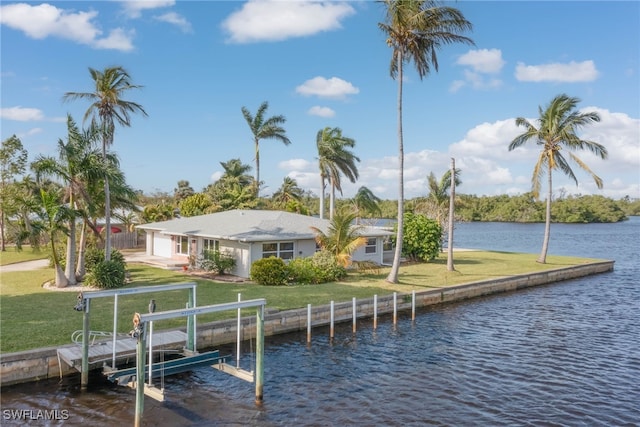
84 305
143 331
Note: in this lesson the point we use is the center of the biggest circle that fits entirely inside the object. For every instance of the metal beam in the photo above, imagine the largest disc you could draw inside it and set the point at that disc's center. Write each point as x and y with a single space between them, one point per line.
139 290
182 312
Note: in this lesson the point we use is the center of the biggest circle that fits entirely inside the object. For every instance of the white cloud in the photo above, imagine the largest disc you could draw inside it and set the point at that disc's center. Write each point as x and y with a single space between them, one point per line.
177 20
321 111
295 164
21 114
571 72
456 85
134 8
483 60
269 20
45 20
327 88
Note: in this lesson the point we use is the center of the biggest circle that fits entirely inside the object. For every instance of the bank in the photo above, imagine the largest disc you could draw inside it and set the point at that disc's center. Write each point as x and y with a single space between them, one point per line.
43 363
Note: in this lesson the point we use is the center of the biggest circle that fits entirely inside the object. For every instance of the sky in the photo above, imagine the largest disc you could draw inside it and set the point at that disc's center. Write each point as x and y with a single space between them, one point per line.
326 63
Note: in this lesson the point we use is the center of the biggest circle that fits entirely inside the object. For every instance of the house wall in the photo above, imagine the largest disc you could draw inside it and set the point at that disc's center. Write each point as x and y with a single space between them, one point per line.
162 245
241 252
361 255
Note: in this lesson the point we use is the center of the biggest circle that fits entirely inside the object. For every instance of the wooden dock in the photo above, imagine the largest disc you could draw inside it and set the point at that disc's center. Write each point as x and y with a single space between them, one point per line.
102 351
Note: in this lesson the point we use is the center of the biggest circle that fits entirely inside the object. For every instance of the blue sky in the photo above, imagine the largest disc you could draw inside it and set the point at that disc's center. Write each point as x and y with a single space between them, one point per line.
326 64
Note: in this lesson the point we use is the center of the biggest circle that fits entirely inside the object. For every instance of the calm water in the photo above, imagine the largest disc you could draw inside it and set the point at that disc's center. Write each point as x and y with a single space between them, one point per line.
566 354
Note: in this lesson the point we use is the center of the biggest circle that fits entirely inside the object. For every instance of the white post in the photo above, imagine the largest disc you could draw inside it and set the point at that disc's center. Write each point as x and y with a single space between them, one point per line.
354 314
238 337
308 323
151 353
115 331
331 324
375 312
395 308
413 305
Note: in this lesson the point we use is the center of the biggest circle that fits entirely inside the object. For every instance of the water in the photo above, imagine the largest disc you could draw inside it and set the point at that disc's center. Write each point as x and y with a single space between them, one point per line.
566 354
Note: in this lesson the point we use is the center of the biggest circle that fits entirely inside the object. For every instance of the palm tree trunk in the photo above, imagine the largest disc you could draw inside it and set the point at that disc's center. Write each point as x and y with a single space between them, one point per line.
80 269
61 280
395 267
257 168
332 198
452 199
70 266
547 224
321 196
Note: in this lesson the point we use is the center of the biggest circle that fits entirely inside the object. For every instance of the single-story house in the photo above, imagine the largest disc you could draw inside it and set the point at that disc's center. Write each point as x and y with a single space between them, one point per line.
250 235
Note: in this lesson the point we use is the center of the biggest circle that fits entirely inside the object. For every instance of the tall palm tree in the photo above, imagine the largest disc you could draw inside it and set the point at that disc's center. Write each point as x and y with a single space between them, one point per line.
556 131
79 162
334 159
108 108
264 128
415 30
438 198
366 202
341 238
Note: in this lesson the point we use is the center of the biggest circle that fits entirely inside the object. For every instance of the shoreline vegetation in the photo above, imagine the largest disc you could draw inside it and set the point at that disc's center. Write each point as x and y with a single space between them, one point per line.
33 317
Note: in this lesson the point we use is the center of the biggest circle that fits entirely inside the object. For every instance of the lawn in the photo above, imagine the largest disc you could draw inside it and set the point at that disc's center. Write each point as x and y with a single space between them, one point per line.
33 317
12 255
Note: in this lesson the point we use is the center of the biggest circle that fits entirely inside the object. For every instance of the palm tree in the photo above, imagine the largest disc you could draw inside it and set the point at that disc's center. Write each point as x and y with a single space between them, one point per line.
264 128
556 131
415 30
366 202
438 198
341 238
334 158
78 164
108 108
288 191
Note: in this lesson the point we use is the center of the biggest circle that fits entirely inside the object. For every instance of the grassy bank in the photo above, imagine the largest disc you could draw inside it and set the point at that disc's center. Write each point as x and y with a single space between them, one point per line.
33 317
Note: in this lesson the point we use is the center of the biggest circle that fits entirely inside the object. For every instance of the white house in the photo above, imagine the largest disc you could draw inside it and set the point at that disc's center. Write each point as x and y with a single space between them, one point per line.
250 235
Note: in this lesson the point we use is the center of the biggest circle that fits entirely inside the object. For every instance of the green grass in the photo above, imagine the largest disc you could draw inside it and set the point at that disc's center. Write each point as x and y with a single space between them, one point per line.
33 317
12 255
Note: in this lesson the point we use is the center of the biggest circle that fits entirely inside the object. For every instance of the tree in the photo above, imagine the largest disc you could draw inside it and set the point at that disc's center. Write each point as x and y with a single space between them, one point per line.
341 238
194 205
437 202
108 108
556 131
415 30
334 158
365 202
288 191
183 190
78 165
13 160
264 128
421 237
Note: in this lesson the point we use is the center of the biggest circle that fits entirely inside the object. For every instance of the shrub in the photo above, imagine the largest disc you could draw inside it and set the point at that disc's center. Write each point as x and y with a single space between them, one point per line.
302 271
270 271
421 237
326 266
219 262
95 256
106 275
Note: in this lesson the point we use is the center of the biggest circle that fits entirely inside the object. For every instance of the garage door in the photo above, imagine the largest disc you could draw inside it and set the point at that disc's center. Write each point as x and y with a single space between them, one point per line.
161 245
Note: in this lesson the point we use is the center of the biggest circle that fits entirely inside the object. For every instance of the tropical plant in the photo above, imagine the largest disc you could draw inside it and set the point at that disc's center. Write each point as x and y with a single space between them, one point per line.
555 131
270 271
194 205
422 237
288 191
13 161
366 203
264 128
108 108
334 159
183 190
415 30
341 238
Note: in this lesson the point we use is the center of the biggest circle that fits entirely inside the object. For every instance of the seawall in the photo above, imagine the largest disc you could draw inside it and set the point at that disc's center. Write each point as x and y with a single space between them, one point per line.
38 364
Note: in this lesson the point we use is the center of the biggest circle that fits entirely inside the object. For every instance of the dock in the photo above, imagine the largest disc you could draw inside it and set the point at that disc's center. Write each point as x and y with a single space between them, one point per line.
125 349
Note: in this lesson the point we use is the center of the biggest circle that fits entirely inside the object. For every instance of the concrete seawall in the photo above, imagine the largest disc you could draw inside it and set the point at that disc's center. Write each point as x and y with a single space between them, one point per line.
37 364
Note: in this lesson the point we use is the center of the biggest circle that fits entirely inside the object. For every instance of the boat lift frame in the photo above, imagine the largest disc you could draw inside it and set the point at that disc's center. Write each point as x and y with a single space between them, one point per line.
143 330
84 305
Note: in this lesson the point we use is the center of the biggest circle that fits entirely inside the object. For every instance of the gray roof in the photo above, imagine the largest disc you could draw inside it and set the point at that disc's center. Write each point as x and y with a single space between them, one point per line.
250 226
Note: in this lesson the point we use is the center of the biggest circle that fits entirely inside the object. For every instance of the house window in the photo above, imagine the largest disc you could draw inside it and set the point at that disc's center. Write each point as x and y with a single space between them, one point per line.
210 247
282 250
372 246
182 245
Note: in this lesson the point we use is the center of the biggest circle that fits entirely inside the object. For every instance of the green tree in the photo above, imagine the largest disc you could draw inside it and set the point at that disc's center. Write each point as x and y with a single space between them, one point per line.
194 205
288 191
264 128
79 163
109 108
555 131
13 160
422 237
415 30
341 238
183 190
334 159
437 202
366 203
